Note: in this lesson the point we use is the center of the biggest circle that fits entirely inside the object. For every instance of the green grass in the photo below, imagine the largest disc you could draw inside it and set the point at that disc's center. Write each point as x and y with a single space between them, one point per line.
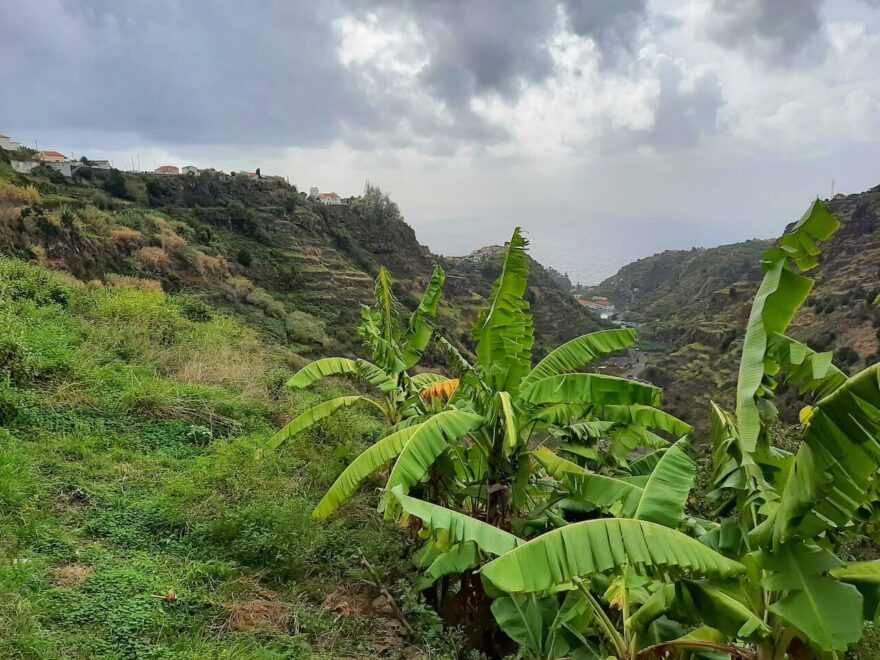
127 439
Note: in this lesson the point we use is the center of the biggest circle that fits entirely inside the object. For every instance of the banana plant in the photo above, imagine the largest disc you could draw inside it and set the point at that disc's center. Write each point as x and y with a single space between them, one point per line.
784 515
394 349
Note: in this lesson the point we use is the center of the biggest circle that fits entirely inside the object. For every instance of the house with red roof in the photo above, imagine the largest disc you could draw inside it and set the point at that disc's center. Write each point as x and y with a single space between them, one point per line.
167 169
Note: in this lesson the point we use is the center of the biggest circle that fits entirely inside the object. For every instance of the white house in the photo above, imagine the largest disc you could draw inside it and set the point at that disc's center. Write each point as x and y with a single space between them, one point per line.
8 145
100 164
598 304
330 199
191 170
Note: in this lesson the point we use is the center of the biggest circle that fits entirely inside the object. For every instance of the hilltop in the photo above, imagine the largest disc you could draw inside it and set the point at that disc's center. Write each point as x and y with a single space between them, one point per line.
257 247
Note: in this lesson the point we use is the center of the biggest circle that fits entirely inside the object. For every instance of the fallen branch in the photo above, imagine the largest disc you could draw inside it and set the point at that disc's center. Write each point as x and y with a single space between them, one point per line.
387 594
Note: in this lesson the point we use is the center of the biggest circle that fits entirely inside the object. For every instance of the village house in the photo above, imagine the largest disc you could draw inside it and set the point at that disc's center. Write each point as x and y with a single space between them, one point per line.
8 145
192 170
167 169
330 199
51 157
598 304
24 166
100 164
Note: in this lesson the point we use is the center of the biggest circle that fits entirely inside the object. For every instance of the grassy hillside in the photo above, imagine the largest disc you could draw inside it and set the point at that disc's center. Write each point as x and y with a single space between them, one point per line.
128 424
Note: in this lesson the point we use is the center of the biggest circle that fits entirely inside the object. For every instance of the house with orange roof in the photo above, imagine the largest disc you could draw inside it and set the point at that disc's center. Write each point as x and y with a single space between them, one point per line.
51 157
167 169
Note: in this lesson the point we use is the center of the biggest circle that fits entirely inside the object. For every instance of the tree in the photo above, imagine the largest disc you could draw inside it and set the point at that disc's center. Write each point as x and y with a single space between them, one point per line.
114 183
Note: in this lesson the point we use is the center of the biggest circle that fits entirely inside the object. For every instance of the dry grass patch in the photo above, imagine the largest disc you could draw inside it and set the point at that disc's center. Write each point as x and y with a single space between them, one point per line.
72 575
154 258
259 616
134 283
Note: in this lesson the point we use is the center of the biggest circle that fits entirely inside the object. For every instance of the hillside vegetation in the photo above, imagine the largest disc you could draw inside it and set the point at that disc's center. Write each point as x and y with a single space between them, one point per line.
695 306
293 268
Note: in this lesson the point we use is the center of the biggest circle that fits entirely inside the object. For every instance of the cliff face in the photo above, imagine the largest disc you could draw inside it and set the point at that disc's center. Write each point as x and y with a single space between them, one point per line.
294 268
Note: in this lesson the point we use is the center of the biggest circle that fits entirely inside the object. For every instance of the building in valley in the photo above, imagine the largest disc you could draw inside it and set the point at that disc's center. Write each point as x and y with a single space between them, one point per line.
599 305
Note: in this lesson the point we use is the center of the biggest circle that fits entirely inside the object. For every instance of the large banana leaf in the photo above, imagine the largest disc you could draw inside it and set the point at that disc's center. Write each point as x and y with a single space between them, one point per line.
508 418
646 416
362 467
828 613
313 415
427 443
700 603
423 380
809 371
597 546
385 352
504 331
859 572
388 306
573 355
664 495
836 462
591 388
591 488
337 366
781 293
460 527
420 329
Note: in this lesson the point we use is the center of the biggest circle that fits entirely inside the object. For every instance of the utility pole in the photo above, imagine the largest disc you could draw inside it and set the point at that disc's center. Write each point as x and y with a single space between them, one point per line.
132 163
832 187
139 162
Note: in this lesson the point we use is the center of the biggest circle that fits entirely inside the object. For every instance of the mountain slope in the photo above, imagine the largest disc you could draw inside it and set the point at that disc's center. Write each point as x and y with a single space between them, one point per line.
695 304
296 269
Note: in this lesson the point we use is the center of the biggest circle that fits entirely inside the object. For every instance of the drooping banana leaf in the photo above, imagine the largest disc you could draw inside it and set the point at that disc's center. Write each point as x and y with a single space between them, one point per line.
460 527
858 572
627 439
588 487
372 458
460 558
646 416
699 602
809 371
423 380
504 330
427 443
577 353
781 293
644 465
597 546
591 388
314 415
836 461
669 484
827 612
337 366
420 329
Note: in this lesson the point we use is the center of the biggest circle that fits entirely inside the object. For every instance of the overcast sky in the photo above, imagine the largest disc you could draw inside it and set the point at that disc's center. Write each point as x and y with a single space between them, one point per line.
609 129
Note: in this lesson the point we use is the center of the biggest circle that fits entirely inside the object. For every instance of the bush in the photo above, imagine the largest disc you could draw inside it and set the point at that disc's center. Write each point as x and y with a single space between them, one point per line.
114 183
847 356
244 257
154 258
194 309
303 328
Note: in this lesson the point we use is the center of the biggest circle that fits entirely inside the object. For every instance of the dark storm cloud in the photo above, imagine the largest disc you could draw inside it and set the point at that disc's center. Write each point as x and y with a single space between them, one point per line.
268 74
611 24
179 72
780 32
